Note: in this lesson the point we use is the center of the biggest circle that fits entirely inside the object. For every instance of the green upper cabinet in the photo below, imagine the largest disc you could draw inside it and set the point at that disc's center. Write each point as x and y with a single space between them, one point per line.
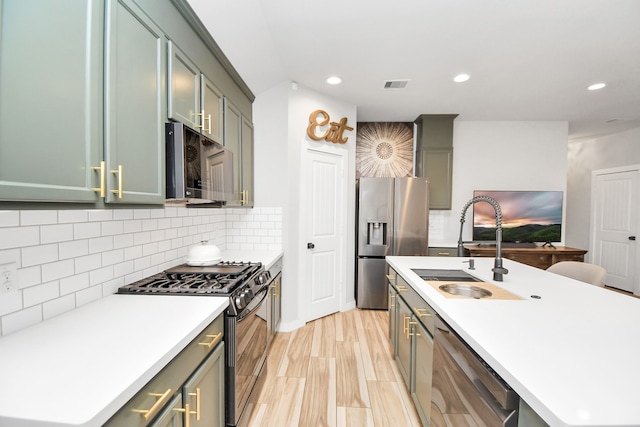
50 99
434 156
135 106
193 99
238 138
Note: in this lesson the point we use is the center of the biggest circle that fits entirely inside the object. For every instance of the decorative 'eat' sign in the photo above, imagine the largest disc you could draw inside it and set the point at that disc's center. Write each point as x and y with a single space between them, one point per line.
335 131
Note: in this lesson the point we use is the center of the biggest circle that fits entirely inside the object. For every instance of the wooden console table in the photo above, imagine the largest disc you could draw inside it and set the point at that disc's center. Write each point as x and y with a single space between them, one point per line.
537 257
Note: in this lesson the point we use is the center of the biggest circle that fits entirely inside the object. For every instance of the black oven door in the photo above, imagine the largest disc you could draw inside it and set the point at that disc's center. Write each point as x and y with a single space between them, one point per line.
250 353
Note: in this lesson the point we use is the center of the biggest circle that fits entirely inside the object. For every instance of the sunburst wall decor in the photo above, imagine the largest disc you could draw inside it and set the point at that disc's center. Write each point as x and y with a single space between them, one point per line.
384 149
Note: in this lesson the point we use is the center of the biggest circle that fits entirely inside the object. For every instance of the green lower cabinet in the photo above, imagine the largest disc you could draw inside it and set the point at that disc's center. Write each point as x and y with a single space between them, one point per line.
203 393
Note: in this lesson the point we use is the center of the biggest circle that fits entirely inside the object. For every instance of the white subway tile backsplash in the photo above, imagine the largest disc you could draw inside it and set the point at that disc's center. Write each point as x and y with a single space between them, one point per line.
101 275
10 302
74 249
58 306
69 258
88 295
71 216
38 294
36 255
21 319
56 233
73 284
17 237
29 276
38 217
87 263
110 228
100 215
86 230
100 244
57 270
9 218
122 214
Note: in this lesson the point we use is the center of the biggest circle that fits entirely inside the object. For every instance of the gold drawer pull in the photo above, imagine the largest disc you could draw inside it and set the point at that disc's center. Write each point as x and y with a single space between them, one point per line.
148 413
120 189
444 254
187 413
421 315
102 171
197 395
412 334
391 277
215 339
402 288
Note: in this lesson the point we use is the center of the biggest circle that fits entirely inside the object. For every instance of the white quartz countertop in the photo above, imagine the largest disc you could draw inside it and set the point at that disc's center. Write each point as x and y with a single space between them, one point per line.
572 355
79 368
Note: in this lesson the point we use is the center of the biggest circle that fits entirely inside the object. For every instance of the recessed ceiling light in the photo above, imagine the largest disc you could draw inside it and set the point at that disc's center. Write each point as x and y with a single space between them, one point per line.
596 86
461 78
334 80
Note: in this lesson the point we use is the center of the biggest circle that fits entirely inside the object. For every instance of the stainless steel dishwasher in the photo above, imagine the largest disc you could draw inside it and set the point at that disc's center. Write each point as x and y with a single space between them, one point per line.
465 390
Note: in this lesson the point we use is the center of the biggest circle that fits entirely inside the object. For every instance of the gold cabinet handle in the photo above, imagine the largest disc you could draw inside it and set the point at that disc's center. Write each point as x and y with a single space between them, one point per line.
402 288
412 333
215 339
102 170
208 130
187 414
120 189
148 413
197 395
276 290
392 298
421 315
406 321
200 126
391 278
444 254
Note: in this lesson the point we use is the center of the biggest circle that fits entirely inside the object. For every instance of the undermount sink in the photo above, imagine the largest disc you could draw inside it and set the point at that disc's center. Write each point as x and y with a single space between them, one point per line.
465 290
445 275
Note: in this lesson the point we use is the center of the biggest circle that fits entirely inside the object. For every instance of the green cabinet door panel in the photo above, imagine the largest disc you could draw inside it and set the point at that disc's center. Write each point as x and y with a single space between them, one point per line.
135 107
232 132
184 88
204 392
50 99
213 106
247 161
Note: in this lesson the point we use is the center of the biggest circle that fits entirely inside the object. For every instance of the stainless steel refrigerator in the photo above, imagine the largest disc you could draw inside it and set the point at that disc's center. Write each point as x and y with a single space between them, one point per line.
392 218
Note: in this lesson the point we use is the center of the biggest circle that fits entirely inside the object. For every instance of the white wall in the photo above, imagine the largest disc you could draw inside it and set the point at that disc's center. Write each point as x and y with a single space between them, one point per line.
285 186
620 149
500 156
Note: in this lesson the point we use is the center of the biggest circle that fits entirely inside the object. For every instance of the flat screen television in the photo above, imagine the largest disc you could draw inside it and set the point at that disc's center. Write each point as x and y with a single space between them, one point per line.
528 217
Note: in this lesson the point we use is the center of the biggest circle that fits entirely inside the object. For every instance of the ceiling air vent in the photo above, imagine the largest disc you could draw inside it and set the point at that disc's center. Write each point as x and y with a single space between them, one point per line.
395 84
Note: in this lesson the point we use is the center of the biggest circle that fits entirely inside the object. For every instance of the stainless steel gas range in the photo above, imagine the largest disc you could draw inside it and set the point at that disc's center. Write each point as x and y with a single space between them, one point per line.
247 286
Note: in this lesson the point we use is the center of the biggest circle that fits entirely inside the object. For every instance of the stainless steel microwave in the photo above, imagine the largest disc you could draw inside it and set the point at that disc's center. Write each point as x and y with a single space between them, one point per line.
199 170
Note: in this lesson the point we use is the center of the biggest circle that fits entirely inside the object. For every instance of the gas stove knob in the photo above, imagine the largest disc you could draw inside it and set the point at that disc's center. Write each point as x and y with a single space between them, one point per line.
239 302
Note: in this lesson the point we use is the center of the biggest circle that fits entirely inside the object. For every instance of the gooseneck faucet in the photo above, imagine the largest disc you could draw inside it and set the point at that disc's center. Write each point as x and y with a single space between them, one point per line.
498 269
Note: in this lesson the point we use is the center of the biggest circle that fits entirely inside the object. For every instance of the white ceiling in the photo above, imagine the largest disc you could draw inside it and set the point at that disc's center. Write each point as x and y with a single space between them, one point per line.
528 59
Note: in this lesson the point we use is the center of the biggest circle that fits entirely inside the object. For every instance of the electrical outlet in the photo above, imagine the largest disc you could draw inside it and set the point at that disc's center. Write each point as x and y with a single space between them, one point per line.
8 277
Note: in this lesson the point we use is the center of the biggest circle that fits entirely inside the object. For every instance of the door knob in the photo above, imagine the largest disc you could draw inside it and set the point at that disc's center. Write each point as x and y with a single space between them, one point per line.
632 237
310 246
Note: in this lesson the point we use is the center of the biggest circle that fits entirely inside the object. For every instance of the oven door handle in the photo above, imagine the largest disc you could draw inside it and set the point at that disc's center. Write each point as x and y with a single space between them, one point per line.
264 291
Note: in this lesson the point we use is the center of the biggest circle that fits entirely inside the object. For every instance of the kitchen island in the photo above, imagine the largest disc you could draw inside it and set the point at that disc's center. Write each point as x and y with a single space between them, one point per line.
567 348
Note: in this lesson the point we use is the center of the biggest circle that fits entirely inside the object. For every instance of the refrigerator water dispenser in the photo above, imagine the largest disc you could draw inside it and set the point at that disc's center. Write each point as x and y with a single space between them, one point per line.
376 233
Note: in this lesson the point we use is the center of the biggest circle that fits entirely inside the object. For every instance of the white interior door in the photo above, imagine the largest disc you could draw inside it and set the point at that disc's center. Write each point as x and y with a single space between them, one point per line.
614 215
324 218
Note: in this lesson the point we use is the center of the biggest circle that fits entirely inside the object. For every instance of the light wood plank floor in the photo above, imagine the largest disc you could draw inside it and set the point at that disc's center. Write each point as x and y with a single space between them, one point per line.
336 371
